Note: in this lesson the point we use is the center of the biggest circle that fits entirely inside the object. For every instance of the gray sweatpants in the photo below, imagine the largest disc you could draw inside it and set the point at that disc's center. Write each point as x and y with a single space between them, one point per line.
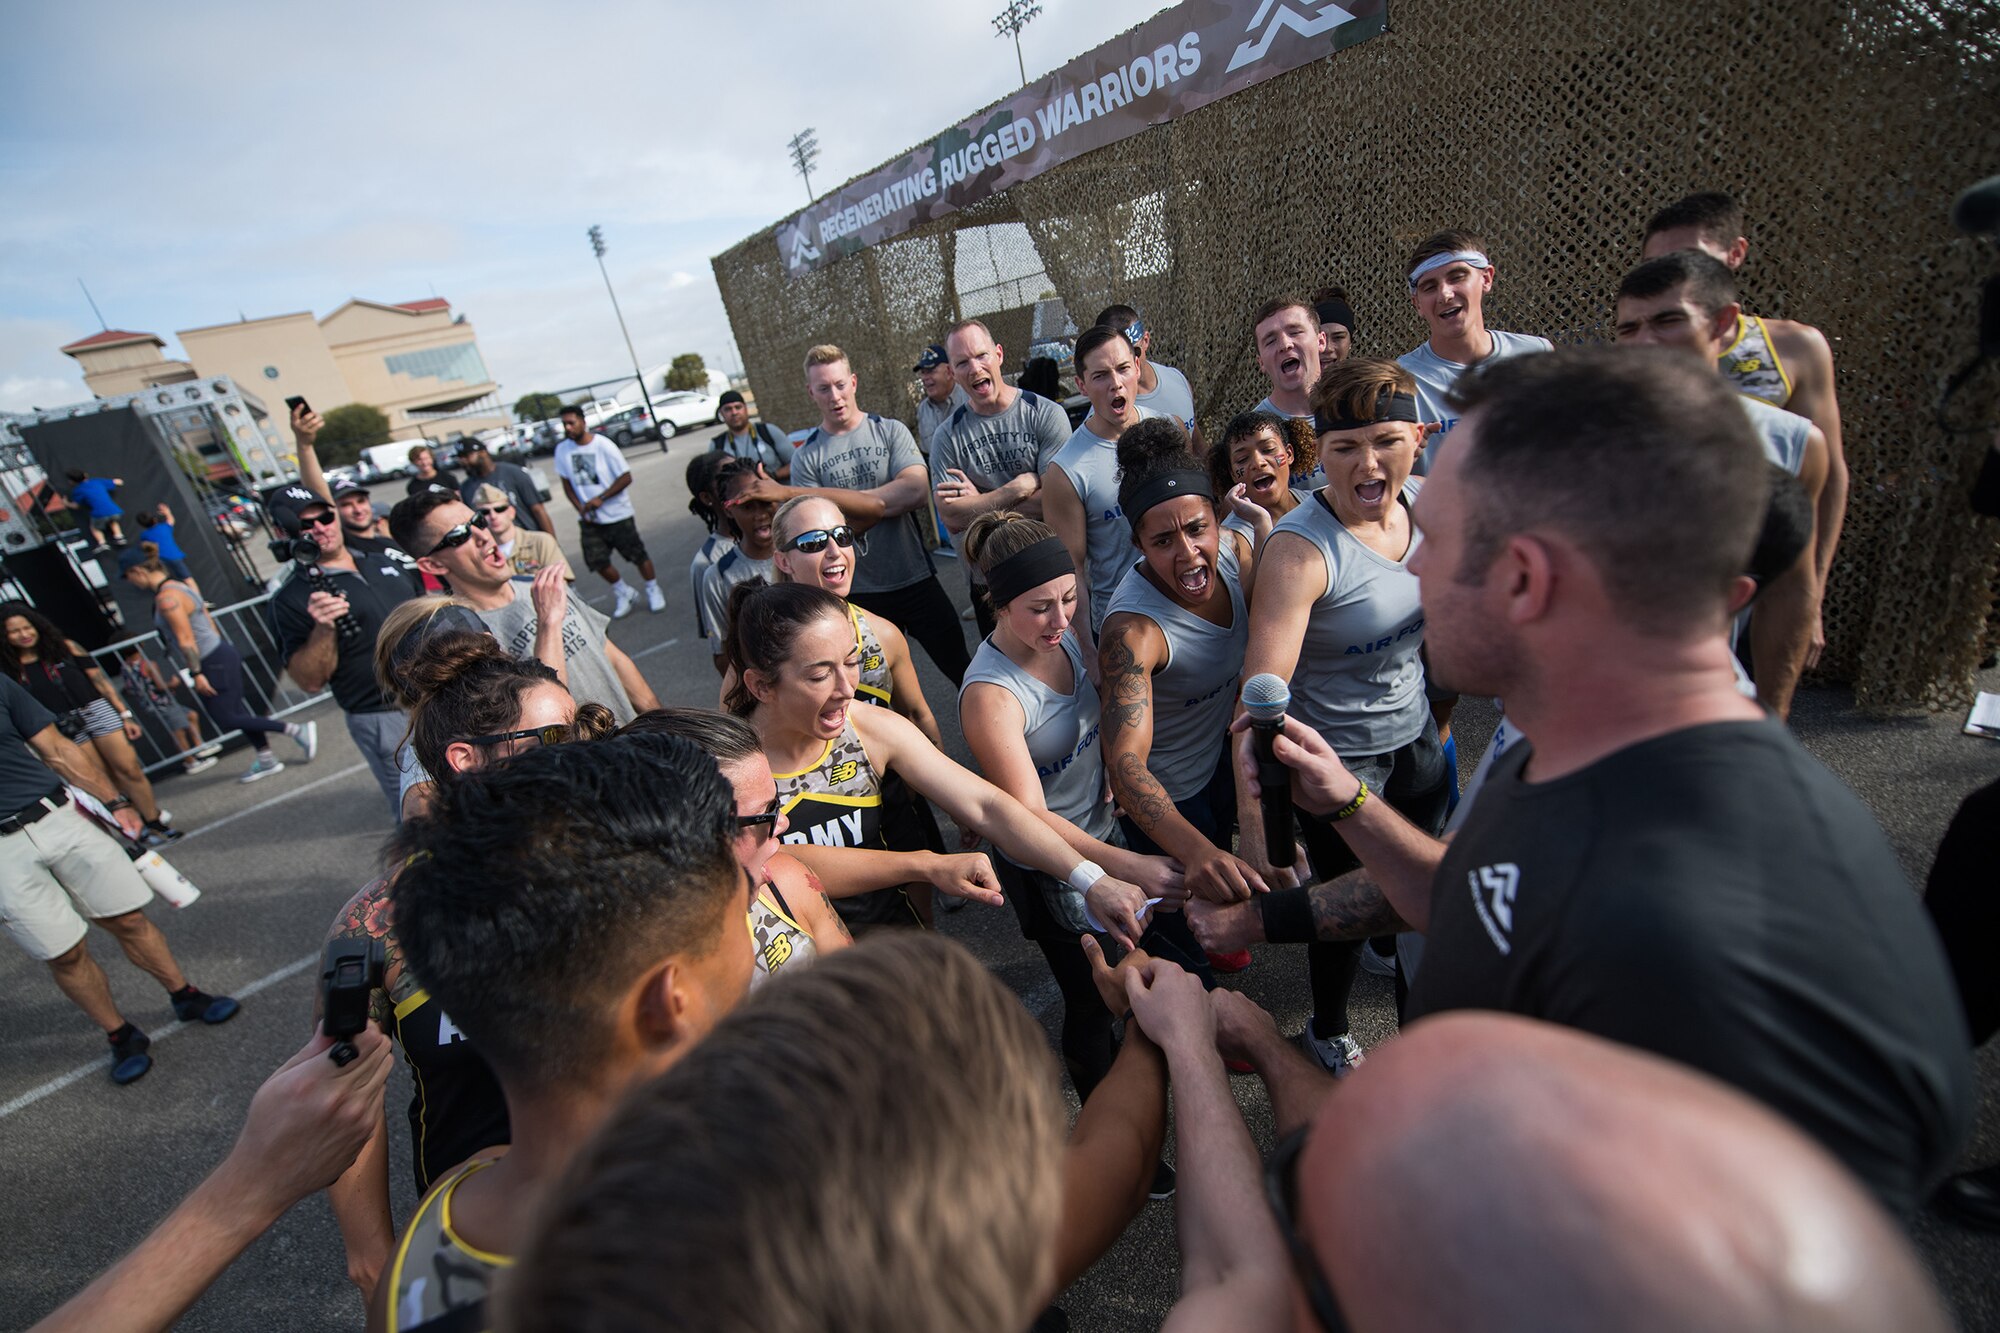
376 736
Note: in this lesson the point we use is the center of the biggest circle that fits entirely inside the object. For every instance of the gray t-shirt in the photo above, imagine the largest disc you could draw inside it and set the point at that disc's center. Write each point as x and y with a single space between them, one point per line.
992 451
1061 731
1359 682
863 459
730 568
931 415
591 678
1194 693
25 779
1172 397
705 557
1091 463
512 480
1783 434
1436 376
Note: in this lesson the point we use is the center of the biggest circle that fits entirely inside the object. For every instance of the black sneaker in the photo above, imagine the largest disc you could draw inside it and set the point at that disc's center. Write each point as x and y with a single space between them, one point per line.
129 1060
155 836
1163 1183
192 1004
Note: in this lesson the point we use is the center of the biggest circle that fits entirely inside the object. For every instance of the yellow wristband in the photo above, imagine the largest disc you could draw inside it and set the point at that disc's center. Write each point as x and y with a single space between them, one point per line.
1360 799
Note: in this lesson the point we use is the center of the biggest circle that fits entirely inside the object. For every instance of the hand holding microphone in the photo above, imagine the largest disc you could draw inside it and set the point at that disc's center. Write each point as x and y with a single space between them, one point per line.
1265 699
1291 754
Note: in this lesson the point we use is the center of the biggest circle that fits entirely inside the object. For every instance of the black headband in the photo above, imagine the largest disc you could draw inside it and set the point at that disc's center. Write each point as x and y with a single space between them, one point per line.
1335 311
1167 486
1392 407
1030 568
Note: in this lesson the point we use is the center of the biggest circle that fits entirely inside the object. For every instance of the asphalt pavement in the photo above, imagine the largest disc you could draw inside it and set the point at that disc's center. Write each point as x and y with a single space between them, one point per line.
87 1168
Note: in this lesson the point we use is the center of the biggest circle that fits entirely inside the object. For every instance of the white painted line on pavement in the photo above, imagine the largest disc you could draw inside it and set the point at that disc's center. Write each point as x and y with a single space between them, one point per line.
280 799
55 1085
655 648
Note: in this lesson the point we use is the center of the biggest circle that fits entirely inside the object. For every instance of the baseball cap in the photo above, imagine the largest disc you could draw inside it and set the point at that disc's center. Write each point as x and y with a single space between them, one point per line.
286 507
471 444
131 557
932 358
490 495
728 397
342 490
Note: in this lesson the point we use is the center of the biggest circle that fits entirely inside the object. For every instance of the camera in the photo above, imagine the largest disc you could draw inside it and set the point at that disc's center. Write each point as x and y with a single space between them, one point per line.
299 550
303 552
352 973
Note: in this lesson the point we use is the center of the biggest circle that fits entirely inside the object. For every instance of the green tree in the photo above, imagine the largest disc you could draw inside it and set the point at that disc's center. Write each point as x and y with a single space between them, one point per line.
687 372
536 406
348 431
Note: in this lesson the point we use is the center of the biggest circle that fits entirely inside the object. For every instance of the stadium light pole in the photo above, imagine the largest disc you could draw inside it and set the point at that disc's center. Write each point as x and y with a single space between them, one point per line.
1009 22
597 248
805 152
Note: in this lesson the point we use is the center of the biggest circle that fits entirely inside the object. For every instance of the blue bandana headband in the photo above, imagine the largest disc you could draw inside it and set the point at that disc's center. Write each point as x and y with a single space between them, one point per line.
1470 258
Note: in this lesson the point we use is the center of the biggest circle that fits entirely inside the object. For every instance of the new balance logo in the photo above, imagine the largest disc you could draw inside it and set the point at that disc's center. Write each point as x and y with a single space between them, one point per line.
1493 889
803 251
1275 16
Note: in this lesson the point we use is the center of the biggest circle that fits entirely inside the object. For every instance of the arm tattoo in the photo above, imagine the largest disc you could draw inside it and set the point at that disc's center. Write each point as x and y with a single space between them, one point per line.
1139 792
814 883
367 917
1129 685
1352 907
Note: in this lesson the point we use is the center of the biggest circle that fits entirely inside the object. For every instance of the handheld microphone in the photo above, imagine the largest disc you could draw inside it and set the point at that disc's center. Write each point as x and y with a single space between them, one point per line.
1265 698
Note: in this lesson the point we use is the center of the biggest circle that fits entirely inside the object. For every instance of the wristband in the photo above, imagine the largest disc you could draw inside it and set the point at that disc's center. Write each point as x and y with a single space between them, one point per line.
125 713
1084 875
122 803
1360 799
1287 916
187 677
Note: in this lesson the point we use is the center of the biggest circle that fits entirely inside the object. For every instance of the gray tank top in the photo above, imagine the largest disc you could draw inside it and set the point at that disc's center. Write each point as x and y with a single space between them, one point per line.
1783 434
1091 463
207 638
1359 683
1236 523
1061 731
1195 692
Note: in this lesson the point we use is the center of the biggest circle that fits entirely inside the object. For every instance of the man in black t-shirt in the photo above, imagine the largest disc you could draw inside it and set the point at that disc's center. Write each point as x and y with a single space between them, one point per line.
369 577
1658 862
483 469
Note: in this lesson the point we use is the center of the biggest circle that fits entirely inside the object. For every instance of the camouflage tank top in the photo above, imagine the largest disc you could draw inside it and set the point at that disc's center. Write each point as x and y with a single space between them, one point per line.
838 803
1751 364
781 942
435 1272
875 685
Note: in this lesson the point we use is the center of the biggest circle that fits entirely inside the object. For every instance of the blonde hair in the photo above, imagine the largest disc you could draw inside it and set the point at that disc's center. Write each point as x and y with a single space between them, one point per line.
825 354
781 526
405 619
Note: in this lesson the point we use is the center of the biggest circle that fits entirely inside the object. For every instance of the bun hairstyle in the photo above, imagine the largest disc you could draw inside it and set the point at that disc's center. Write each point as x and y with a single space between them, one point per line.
1149 449
701 471
152 564
764 623
464 684
1296 433
997 535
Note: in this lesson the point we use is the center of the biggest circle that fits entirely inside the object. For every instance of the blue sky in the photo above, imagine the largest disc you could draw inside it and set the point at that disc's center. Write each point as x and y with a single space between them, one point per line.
193 163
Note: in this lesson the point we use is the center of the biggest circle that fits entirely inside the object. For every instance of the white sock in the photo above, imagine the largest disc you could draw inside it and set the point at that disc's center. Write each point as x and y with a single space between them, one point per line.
652 585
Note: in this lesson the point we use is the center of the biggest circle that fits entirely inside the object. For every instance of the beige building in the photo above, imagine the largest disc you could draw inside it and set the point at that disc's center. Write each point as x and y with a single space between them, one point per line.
416 362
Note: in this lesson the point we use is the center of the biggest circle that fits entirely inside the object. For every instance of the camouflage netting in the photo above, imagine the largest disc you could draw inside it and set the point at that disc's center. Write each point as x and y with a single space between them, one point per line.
1554 128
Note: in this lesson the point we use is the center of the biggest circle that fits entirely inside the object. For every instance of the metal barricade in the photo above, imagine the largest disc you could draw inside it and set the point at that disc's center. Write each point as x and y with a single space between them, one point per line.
266 688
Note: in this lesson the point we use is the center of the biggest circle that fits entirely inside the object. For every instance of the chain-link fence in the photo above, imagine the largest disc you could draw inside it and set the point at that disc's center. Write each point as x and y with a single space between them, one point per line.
1553 128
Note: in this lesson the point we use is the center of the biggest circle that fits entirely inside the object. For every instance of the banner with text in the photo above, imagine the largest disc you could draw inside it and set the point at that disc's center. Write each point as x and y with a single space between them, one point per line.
1174 63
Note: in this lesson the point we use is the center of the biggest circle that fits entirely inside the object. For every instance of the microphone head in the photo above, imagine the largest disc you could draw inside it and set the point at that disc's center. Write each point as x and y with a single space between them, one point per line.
1266 697
1976 211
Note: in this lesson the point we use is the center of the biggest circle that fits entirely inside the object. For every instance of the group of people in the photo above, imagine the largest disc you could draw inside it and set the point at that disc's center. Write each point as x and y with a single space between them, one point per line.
634 951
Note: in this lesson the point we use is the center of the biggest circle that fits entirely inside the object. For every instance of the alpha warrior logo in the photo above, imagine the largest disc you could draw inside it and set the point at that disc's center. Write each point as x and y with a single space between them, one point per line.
1493 889
1303 17
803 251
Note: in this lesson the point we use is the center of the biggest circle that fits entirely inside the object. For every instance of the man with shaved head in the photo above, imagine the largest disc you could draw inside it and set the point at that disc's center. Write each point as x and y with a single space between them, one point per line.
1587 1186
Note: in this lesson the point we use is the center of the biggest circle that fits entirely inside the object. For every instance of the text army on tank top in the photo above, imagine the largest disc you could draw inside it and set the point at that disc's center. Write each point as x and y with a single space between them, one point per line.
434 1272
1194 693
838 803
1751 363
875 685
781 942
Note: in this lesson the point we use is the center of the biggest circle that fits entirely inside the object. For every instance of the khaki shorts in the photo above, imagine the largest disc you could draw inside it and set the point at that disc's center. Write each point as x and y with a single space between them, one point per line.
57 871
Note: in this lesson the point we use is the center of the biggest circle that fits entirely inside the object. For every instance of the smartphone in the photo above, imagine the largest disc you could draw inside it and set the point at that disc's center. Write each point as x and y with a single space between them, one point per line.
294 403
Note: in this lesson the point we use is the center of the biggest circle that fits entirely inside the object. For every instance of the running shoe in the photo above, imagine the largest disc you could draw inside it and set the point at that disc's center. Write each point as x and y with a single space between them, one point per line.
129 1060
1377 964
622 598
166 816
1163 1182
655 599
263 768
153 838
1336 1055
191 1005
210 750
1233 961
308 739
200 763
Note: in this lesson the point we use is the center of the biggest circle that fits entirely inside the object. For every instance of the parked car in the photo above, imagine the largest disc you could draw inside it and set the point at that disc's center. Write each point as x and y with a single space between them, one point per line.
236 517
629 427
682 410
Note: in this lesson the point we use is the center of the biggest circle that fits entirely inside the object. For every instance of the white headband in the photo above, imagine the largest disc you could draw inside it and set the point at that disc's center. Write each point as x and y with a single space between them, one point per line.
1470 258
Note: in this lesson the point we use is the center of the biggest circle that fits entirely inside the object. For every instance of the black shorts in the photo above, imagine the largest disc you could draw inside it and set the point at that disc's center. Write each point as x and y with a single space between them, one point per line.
601 539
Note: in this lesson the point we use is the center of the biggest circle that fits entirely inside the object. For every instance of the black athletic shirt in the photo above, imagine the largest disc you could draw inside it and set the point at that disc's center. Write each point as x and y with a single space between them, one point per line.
456 1106
1718 897
385 579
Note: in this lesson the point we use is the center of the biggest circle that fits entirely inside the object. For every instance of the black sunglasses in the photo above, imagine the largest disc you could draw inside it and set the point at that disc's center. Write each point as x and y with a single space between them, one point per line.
551 735
490 510
814 541
761 817
1281 1180
317 520
457 536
